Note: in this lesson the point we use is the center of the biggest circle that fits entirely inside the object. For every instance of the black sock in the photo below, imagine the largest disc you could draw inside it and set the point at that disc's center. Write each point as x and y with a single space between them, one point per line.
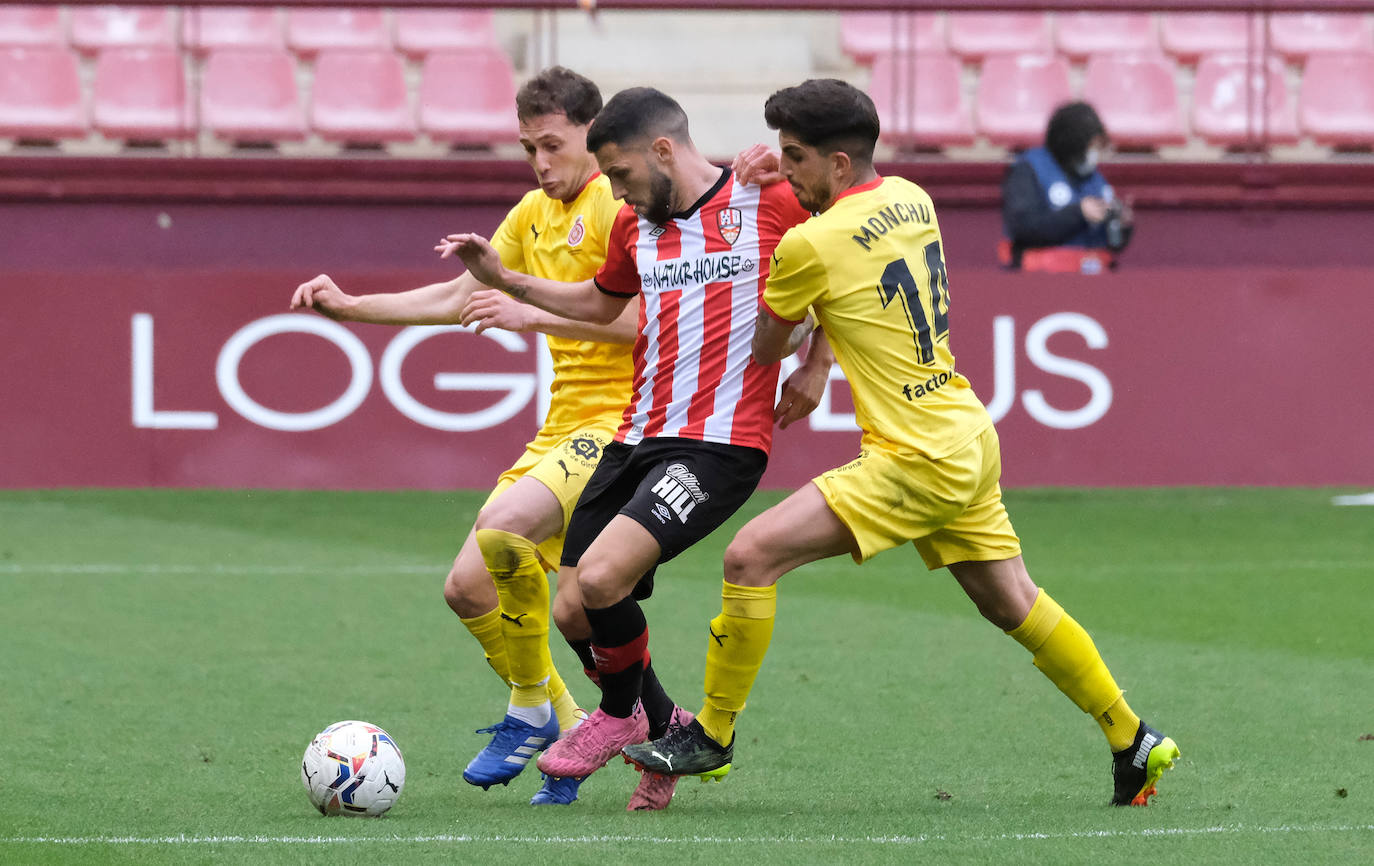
620 637
657 705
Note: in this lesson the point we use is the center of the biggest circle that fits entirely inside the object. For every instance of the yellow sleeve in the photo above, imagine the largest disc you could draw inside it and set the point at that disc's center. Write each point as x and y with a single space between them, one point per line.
796 278
509 236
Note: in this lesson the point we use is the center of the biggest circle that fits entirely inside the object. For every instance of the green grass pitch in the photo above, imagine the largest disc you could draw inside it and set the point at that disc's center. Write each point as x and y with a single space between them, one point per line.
166 655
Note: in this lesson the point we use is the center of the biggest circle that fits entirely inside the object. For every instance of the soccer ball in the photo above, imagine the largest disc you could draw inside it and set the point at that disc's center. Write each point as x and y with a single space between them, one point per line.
353 768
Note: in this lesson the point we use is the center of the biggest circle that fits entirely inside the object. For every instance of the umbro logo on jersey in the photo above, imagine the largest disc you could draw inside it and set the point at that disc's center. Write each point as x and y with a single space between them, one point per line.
730 221
656 231
577 232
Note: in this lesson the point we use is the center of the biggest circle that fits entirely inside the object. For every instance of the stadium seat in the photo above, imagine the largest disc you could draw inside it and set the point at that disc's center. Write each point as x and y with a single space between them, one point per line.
40 94
1137 98
421 31
250 95
920 100
31 25
360 97
467 97
1080 34
140 95
95 28
975 35
865 35
1222 108
209 28
1189 35
1336 105
309 31
1298 34
1017 94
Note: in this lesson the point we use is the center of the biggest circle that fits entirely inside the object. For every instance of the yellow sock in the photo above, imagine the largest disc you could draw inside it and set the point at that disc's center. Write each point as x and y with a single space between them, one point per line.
1064 652
487 629
564 704
734 653
523 588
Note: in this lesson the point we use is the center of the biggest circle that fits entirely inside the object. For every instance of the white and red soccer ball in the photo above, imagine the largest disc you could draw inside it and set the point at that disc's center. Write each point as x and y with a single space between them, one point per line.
353 768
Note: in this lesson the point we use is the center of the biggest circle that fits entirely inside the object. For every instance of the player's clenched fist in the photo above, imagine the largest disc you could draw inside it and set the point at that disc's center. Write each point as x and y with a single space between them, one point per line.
323 296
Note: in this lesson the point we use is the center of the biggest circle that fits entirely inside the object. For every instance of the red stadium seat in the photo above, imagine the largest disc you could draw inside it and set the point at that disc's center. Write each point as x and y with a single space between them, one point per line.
250 95
209 28
920 100
309 31
40 94
1017 94
31 25
1336 105
1137 98
975 35
865 35
1225 114
467 97
1189 35
1298 34
141 95
420 31
95 28
1080 34
360 97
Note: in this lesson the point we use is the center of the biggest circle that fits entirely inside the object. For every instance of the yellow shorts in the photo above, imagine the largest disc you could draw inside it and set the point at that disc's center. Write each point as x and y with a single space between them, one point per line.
951 508
562 462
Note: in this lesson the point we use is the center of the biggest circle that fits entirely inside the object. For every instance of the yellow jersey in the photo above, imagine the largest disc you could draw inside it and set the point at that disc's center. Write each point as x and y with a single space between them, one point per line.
548 238
872 269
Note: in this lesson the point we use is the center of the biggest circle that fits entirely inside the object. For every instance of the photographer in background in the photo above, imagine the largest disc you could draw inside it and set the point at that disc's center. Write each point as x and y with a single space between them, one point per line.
1059 214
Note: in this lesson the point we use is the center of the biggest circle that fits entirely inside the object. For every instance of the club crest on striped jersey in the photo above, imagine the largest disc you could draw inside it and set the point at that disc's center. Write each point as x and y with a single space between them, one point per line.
730 220
577 232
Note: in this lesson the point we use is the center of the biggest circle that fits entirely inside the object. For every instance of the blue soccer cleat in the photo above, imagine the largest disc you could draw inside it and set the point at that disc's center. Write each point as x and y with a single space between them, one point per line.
557 791
513 745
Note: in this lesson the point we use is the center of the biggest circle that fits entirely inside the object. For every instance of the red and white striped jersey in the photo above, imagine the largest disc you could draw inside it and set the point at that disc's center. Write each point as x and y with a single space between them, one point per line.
701 275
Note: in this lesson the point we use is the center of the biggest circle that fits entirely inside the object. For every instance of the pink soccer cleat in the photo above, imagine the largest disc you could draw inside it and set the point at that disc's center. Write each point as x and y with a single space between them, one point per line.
588 747
655 790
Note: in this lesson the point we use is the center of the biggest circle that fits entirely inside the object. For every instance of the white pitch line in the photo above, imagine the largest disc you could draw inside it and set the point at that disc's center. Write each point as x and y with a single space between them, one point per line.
103 568
924 838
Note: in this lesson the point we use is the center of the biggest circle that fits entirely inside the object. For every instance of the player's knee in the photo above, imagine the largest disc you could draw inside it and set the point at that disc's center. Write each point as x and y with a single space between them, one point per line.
747 562
569 616
602 585
464 595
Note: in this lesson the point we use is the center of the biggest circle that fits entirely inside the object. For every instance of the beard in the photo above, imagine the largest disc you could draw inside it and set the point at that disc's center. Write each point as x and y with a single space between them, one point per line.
660 205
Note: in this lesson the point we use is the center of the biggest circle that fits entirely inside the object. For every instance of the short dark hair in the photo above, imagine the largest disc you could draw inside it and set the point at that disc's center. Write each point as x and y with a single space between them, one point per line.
1071 128
558 90
827 114
637 113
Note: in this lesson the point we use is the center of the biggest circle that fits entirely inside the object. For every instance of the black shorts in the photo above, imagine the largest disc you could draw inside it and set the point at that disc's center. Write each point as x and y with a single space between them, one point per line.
678 489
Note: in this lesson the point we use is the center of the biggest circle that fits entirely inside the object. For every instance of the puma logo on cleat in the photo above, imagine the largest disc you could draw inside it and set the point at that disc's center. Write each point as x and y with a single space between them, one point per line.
664 758
1144 751
514 619
720 638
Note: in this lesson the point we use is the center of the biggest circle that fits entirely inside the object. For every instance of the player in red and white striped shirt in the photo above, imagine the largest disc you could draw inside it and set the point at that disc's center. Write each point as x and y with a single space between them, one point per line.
695 247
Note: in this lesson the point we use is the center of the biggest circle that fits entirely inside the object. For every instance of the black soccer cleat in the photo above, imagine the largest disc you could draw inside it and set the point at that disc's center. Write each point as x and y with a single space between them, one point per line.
1137 768
683 751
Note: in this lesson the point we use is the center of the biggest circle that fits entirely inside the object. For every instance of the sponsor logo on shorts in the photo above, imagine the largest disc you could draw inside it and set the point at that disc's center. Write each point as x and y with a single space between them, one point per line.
679 490
920 389
585 447
853 464
661 512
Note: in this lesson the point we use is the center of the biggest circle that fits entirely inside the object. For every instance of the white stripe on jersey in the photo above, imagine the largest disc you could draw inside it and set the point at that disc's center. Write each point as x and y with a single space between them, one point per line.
744 312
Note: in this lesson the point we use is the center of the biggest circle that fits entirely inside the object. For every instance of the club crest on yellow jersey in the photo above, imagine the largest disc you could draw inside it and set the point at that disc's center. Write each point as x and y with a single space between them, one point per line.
577 232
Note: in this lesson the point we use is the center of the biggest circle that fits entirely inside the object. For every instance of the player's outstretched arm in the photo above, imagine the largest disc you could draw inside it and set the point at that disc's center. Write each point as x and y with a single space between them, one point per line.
775 340
582 301
489 308
802 391
435 304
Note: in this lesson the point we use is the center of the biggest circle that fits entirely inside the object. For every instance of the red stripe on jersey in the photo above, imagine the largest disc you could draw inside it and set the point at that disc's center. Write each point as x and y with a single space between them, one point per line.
670 242
714 350
668 340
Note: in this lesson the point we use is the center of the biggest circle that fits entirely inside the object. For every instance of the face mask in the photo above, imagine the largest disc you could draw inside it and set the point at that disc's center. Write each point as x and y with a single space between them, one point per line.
1088 164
